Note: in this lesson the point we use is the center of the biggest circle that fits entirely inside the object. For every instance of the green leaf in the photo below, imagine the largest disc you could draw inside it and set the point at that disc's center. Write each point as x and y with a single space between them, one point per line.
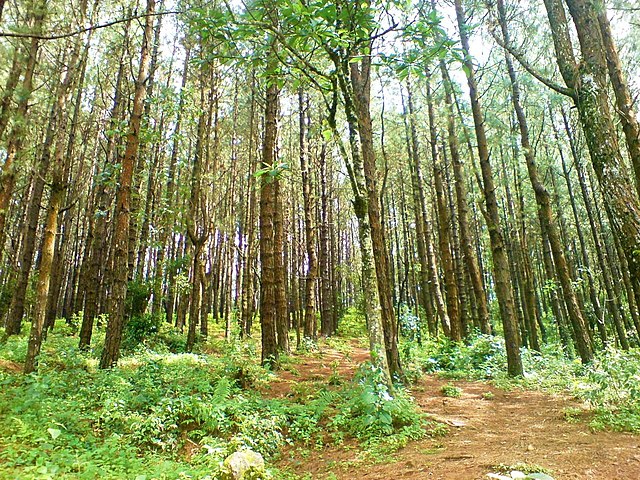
54 432
386 418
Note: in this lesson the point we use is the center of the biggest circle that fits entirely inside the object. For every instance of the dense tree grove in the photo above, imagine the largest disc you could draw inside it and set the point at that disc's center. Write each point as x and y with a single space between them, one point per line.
269 164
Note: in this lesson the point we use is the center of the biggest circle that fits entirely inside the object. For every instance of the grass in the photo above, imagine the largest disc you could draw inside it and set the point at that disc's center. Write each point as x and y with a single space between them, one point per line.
167 414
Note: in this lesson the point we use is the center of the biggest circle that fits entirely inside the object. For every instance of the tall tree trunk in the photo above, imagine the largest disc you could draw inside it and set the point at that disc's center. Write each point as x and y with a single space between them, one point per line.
372 304
58 189
120 241
425 289
587 82
603 261
624 100
46 263
309 207
247 304
470 258
18 132
197 220
28 245
501 272
268 253
444 233
96 263
168 205
327 305
282 305
545 213
586 262
360 77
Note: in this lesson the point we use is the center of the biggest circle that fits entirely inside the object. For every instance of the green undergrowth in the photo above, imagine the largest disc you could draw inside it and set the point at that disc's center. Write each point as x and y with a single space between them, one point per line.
610 384
166 414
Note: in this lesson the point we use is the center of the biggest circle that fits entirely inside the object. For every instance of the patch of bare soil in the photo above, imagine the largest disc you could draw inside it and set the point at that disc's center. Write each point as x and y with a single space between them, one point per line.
316 367
486 430
10 366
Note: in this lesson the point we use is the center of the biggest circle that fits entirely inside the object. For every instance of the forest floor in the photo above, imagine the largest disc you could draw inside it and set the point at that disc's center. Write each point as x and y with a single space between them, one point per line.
490 429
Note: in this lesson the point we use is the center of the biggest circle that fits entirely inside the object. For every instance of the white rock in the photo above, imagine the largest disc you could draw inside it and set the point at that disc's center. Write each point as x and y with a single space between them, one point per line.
241 462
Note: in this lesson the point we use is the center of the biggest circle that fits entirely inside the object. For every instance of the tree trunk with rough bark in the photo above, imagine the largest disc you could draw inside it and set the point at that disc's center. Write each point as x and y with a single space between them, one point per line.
18 132
444 229
424 288
587 83
360 78
309 228
545 213
470 258
268 253
120 240
504 291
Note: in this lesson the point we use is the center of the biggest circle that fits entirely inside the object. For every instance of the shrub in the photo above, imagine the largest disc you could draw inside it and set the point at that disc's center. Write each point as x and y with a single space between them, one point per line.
370 412
139 328
352 324
450 390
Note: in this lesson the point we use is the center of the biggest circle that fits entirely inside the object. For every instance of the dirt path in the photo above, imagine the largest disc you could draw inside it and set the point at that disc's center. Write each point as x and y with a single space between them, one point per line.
486 430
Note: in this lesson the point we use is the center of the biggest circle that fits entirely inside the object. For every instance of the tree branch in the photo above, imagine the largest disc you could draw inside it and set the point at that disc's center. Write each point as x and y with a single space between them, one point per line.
83 30
532 71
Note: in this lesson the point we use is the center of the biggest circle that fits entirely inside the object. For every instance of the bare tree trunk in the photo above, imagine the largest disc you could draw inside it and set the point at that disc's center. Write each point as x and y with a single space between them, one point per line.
58 190
197 220
169 202
624 100
247 303
268 197
355 167
504 291
587 82
603 262
545 214
425 289
444 231
361 83
470 258
593 294
327 287
282 305
120 241
309 207
28 245
96 263
18 132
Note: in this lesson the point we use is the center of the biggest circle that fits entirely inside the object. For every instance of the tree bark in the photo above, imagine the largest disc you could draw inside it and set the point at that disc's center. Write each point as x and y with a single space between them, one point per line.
372 302
310 231
504 291
425 289
624 100
268 261
361 86
588 83
545 213
470 258
18 132
120 241
444 232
